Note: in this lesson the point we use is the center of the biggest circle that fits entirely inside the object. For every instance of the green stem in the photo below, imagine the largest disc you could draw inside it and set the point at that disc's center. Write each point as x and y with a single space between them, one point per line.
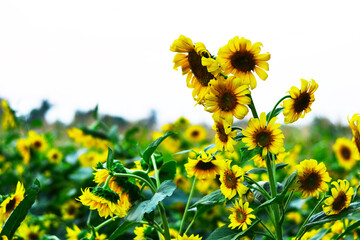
236 128
191 223
156 171
301 231
150 185
158 227
252 107
187 205
98 227
266 228
273 188
261 189
282 99
165 221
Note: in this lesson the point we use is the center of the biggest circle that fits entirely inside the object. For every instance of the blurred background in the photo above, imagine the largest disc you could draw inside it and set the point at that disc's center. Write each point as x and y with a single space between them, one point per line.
77 54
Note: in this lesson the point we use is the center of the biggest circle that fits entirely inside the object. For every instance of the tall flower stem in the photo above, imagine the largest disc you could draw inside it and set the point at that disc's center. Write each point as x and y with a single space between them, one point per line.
273 189
187 205
282 99
252 107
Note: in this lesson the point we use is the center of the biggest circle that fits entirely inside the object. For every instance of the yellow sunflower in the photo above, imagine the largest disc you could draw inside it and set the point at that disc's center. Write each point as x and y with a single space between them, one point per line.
204 166
354 124
11 202
185 237
340 199
242 58
70 209
30 232
73 234
224 135
8 120
54 155
38 142
91 158
105 201
23 146
240 215
195 133
197 64
228 98
231 178
269 136
300 102
312 178
346 153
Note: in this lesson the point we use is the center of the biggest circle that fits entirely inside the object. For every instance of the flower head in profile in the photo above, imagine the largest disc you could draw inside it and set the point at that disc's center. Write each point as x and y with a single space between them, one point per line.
354 124
224 134
267 136
242 59
196 62
204 165
241 216
11 202
340 199
346 153
231 178
195 133
312 178
228 98
300 102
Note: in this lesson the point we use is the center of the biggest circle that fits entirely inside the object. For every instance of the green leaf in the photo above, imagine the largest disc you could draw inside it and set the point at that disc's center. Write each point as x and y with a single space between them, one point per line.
289 182
125 225
277 199
246 155
36 123
167 171
20 212
275 113
137 212
152 147
225 233
110 159
212 198
95 112
94 133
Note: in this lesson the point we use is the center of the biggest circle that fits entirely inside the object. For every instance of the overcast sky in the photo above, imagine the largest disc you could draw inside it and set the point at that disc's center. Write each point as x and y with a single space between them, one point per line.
116 54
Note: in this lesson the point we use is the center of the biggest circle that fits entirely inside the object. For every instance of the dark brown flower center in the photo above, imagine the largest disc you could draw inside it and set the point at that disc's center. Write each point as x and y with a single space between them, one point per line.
243 61
357 140
230 179
205 165
227 101
37 144
33 236
302 102
11 205
201 73
55 156
339 201
195 133
311 182
263 138
345 152
221 133
71 210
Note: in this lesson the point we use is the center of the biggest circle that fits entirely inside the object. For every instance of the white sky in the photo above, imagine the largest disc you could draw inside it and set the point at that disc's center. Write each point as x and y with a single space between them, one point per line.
116 53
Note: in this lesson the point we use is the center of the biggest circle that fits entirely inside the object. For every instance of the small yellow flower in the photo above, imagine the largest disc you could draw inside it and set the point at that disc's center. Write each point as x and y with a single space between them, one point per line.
192 237
70 209
224 135
294 216
204 166
23 146
37 141
91 158
11 202
195 133
72 234
8 120
340 199
354 124
231 178
54 155
240 215
346 153
30 232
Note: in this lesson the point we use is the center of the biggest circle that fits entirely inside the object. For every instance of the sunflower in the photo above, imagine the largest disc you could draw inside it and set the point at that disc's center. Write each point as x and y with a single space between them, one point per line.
228 97
240 215
8 120
340 199
145 232
260 162
30 232
346 153
106 201
37 142
23 146
204 166
231 178
75 233
195 133
269 136
11 202
224 135
91 158
192 237
54 156
312 178
354 124
300 101
242 58
70 209
197 64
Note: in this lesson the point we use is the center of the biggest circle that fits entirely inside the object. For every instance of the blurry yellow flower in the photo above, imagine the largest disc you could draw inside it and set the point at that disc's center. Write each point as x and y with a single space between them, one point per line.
269 136
204 166
72 234
23 146
87 140
300 102
8 120
30 232
2 158
294 216
242 58
340 199
37 142
197 64
195 133
240 215
70 209
207 186
11 202
91 158
309 235
354 124
54 155
97 236
181 123
312 178
224 135
192 237
231 178
346 153
20 169
182 182
171 143
228 98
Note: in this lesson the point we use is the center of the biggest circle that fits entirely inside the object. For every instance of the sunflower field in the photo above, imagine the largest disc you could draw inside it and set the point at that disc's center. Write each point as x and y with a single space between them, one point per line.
245 177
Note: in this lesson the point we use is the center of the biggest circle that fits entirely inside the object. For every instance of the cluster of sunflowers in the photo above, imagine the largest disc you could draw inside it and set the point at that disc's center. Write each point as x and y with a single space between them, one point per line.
187 182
